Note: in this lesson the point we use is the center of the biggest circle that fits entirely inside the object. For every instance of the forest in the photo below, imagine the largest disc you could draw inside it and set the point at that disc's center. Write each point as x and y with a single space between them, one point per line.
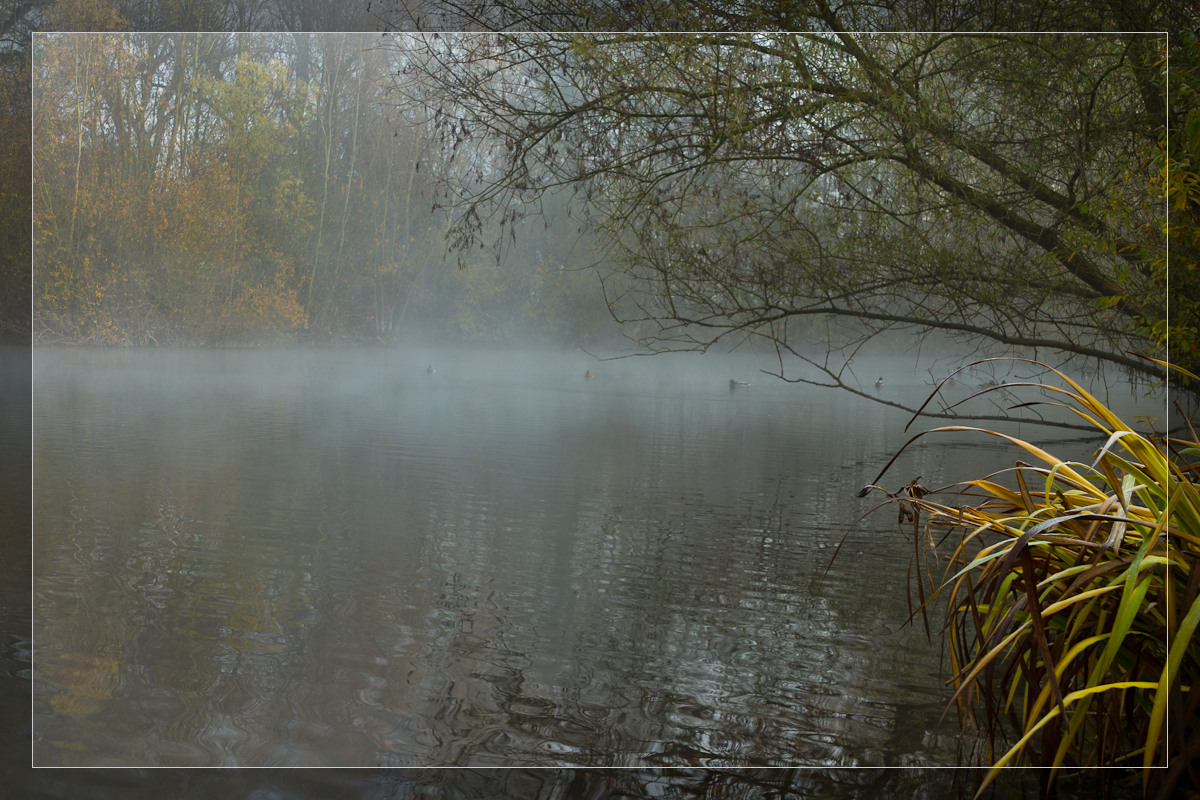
233 187
817 191
229 188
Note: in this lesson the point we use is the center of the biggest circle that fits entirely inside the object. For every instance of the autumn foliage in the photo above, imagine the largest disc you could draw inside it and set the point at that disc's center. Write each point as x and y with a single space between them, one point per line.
146 181
218 188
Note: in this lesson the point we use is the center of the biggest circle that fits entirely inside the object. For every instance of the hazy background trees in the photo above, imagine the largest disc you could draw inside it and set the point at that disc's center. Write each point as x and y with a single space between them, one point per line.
227 188
172 218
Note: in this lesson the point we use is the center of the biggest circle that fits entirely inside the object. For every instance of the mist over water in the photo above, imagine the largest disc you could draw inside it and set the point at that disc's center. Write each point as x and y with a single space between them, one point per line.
337 558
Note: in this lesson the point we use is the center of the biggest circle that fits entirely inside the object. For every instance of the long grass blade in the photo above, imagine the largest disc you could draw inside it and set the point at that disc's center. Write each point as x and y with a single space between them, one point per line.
1182 641
1064 595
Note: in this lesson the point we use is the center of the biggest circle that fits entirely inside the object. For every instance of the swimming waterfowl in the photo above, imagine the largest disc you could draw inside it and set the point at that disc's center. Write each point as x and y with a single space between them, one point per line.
879 382
430 370
587 376
734 384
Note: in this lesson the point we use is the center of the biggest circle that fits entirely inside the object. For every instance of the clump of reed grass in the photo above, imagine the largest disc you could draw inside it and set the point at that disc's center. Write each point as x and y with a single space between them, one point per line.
1072 596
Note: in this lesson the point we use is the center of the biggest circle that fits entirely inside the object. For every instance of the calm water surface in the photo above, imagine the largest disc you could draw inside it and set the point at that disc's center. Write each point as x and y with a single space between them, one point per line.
332 558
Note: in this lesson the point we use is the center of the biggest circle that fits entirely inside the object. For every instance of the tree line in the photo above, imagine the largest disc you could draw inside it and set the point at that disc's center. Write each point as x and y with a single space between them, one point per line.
225 188
814 188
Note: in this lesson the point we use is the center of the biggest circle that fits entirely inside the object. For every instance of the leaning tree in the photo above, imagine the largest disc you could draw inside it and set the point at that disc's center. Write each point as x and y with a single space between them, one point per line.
827 187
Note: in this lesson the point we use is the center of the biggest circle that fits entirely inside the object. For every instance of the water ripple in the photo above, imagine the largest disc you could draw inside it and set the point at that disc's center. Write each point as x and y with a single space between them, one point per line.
337 562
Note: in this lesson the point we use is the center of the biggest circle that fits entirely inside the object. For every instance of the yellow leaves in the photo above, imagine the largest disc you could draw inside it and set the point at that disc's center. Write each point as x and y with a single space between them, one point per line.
180 182
85 15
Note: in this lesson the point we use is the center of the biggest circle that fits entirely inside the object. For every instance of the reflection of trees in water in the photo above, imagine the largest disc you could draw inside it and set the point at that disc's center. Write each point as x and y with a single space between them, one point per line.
628 579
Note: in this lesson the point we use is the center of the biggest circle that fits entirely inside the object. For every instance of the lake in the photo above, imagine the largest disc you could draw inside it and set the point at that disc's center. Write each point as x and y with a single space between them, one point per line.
334 558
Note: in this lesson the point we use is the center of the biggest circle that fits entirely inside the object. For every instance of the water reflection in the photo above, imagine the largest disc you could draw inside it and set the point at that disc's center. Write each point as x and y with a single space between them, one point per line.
328 558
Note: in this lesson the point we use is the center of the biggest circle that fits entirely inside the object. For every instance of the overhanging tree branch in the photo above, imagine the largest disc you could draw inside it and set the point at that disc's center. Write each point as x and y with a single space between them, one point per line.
739 180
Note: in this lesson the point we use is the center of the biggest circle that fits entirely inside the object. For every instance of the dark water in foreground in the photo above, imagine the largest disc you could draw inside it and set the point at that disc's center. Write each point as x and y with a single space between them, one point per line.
331 558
